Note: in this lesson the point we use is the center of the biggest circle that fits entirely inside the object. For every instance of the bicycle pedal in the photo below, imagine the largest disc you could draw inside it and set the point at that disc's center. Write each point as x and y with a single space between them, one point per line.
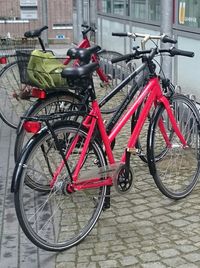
135 151
132 151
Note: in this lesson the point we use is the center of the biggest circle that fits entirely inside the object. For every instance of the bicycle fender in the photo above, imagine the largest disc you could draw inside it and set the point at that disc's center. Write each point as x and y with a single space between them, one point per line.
23 156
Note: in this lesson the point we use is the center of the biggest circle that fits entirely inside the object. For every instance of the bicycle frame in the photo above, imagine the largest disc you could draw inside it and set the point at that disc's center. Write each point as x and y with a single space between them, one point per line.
152 93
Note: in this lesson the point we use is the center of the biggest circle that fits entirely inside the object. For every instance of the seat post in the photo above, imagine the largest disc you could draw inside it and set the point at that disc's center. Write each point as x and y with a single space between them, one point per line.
91 88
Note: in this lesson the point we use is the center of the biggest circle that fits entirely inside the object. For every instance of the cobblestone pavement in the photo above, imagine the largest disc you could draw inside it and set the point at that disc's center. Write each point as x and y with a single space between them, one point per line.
141 229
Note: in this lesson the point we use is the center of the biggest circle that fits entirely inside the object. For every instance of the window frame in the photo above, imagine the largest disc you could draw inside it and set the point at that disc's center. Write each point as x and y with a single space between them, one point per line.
182 28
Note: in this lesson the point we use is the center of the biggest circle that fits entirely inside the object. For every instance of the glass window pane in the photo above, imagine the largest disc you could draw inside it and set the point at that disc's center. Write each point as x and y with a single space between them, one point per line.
138 9
154 10
118 7
127 7
189 13
106 6
148 10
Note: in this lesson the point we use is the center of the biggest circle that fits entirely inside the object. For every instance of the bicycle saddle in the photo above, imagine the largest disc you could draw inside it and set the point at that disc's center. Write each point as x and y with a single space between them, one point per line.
35 33
83 54
80 72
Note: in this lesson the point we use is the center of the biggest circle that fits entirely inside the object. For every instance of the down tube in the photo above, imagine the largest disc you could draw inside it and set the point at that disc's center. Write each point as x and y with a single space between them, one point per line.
123 120
141 120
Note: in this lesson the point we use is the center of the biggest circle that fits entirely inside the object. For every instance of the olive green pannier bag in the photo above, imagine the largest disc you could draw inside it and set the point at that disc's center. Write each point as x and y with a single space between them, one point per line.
44 70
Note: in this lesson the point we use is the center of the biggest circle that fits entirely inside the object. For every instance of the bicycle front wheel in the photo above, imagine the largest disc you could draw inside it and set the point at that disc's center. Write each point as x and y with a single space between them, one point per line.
177 169
57 220
15 97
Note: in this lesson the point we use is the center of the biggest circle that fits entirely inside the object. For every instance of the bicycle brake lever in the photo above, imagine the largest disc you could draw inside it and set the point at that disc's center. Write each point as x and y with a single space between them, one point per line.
135 48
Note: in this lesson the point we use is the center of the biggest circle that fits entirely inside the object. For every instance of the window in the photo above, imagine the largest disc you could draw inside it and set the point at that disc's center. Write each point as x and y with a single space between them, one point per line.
154 10
146 10
118 7
138 9
106 6
189 13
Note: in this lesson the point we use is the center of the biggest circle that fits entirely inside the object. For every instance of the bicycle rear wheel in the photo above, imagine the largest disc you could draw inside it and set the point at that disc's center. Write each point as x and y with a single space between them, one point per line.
15 97
176 171
116 73
57 220
53 103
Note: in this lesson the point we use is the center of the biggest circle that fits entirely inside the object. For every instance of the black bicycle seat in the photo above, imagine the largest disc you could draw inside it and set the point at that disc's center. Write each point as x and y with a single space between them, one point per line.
35 33
79 72
83 54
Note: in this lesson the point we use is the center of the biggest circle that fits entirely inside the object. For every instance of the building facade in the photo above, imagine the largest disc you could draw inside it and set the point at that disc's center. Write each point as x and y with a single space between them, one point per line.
18 16
145 16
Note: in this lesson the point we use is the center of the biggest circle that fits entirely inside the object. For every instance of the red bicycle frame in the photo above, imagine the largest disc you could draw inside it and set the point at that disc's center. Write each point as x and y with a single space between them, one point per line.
152 93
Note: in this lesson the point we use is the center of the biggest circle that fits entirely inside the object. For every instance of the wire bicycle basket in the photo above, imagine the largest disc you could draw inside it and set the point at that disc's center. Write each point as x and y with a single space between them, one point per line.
40 69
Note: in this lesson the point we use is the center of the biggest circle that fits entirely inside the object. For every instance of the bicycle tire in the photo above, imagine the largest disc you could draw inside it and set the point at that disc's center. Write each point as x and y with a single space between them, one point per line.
48 105
75 213
13 105
116 74
176 171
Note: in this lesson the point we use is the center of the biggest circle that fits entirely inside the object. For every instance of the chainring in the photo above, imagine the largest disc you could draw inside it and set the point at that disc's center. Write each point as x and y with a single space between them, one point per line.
122 182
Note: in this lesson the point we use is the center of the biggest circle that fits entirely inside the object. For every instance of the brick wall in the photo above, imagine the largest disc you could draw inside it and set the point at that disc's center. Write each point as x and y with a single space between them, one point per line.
59 12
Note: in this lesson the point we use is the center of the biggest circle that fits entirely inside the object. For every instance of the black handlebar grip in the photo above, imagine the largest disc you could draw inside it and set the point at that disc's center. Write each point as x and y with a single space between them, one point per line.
167 39
119 34
122 58
174 51
94 49
85 25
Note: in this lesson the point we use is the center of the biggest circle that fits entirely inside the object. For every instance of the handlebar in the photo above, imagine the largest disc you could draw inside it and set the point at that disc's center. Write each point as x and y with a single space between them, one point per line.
163 38
87 29
126 57
152 52
175 51
166 39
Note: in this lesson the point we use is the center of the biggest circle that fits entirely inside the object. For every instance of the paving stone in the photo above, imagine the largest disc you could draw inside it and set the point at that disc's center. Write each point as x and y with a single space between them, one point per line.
153 265
65 265
108 264
128 261
149 257
191 265
174 262
192 257
168 253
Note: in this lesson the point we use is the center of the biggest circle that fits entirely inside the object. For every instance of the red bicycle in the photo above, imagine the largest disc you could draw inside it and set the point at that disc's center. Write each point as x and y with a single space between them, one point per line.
76 162
18 95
